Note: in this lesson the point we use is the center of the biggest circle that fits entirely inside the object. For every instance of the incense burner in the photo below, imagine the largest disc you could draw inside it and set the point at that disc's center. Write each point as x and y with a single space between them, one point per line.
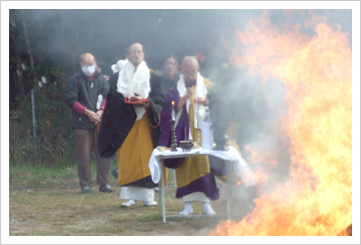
186 145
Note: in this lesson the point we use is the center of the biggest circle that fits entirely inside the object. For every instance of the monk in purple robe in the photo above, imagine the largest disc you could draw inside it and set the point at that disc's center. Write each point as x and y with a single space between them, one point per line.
195 182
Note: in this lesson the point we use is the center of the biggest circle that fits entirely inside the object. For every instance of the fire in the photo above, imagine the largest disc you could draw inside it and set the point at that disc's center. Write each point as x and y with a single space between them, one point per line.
264 161
172 103
317 197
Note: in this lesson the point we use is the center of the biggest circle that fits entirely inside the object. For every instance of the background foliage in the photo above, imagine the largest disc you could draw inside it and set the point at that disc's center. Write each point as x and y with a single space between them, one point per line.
30 64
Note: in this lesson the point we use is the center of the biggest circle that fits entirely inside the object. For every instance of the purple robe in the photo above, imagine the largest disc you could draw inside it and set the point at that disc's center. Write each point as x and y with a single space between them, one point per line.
205 184
166 125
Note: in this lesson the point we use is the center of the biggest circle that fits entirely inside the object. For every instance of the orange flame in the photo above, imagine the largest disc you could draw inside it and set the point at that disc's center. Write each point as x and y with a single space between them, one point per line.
317 197
172 103
264 161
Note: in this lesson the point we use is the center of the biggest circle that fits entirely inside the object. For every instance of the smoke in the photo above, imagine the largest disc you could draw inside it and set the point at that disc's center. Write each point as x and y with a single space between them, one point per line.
255 109
255 105
107 33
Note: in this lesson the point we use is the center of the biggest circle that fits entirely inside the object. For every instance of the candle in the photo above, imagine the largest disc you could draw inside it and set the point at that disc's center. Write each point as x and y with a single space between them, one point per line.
173 113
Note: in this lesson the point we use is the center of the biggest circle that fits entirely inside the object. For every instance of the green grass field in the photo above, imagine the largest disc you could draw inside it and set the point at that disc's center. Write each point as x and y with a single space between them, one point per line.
48 202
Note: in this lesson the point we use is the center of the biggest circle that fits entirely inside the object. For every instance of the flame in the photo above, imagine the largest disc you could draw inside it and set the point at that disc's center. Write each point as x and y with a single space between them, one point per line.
316 199
263 159
172 102
257 157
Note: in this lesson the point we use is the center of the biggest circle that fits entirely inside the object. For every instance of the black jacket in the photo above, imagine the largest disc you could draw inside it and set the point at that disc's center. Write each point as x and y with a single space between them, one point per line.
79 88
119 117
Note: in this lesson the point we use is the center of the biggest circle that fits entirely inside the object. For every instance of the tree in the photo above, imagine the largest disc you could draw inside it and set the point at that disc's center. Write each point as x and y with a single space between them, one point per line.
31 64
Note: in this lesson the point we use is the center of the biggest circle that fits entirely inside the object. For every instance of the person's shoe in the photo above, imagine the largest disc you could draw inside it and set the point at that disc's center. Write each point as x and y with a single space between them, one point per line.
150 203
128 203
85 189
207 209
187 209
105 188
115 173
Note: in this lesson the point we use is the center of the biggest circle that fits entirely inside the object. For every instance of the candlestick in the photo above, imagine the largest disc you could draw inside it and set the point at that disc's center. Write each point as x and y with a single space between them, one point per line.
173 137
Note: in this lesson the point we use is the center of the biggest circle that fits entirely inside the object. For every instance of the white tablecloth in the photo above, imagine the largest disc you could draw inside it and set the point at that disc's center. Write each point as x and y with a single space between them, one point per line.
240 167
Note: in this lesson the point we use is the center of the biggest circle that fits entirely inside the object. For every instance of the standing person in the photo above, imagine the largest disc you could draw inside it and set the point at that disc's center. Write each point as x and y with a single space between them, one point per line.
81 94
171 75
157 93
130 126
195 182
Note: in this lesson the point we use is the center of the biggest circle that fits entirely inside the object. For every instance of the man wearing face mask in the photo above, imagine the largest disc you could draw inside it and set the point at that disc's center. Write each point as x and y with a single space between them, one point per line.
82 92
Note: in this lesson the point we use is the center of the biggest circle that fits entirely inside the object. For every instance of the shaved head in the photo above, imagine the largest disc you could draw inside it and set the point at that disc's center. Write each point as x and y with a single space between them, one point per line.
134 46
87 59
190 61
189 68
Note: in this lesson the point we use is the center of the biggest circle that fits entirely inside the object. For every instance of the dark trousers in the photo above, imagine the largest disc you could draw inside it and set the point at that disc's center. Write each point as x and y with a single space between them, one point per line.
86 141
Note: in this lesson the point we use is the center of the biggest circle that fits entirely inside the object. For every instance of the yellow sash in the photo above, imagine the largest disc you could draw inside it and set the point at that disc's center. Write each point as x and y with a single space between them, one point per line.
133 156
192 168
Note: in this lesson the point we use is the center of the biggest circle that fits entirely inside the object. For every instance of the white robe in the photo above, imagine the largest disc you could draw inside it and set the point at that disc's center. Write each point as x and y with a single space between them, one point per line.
200 110
131 82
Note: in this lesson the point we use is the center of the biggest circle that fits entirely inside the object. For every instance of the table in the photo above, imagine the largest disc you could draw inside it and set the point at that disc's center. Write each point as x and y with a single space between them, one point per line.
231 156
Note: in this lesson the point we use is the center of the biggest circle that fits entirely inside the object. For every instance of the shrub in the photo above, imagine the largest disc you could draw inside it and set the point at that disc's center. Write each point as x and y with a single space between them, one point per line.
54 134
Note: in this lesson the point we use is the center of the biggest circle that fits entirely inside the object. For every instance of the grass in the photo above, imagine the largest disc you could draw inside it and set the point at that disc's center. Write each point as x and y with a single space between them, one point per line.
48 202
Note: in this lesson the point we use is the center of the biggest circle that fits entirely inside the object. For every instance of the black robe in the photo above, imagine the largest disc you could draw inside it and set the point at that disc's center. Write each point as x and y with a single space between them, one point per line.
119 117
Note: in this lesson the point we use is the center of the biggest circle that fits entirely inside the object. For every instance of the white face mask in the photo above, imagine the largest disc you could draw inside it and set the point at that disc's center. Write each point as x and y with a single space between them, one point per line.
88 70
